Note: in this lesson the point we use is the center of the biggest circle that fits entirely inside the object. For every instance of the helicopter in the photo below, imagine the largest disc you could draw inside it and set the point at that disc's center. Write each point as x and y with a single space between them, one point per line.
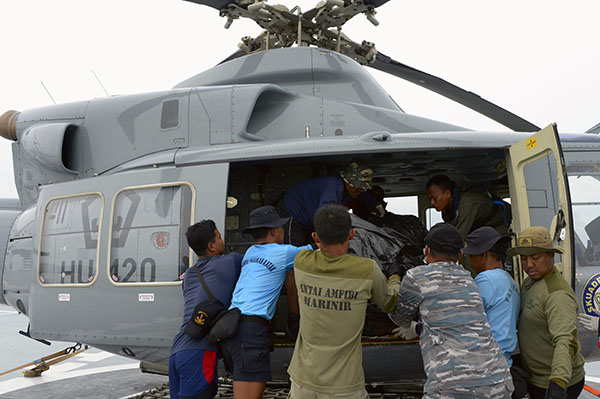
108 229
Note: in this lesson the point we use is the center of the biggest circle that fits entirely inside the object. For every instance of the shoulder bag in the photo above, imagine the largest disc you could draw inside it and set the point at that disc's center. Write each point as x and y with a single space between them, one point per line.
205 314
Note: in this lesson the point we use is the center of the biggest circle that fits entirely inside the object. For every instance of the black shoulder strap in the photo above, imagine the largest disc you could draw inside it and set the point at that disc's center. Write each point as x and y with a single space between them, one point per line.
210 295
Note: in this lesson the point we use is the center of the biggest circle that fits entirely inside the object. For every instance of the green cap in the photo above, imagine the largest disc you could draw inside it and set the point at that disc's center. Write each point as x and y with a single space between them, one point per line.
357 176
534 240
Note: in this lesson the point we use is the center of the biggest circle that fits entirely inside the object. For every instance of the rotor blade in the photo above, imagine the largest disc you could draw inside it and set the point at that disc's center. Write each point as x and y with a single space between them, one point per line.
376 3
595 129
455 93
216 4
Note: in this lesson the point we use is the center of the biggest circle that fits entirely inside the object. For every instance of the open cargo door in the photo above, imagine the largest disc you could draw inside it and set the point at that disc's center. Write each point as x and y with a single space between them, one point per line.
539 189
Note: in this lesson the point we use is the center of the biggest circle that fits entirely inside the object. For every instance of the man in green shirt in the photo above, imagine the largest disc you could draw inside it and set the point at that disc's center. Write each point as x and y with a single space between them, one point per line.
547 329
333 290
467 210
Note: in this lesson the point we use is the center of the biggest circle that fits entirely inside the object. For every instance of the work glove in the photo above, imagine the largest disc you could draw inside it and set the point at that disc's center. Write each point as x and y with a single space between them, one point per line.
380 210
410 332
555 391
590 323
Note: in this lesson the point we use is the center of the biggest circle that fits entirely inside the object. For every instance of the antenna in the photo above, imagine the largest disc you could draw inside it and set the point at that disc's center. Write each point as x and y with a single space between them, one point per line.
100 83
50 95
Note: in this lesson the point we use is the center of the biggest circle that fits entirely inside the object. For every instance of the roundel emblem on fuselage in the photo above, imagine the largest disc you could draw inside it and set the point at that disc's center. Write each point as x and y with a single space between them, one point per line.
590 297
160 239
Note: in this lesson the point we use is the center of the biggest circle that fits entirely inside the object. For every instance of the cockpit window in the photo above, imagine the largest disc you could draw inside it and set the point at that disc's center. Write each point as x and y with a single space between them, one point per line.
584 185
586 218
69 240
148 242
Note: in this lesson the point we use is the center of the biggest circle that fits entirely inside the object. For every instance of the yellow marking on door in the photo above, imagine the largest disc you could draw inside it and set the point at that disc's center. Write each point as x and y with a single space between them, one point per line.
531 143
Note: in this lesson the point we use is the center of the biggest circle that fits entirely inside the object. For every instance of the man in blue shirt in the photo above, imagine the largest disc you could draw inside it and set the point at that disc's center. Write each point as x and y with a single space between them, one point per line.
303 200
499 294
193 363
264 270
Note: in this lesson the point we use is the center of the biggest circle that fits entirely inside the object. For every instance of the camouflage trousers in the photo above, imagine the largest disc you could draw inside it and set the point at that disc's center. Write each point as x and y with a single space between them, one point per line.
497 391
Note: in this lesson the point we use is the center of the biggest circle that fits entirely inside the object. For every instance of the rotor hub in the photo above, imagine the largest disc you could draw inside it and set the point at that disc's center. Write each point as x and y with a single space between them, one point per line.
320 26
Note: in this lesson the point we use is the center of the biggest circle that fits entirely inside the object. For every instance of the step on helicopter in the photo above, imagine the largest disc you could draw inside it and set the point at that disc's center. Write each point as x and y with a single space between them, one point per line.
96 245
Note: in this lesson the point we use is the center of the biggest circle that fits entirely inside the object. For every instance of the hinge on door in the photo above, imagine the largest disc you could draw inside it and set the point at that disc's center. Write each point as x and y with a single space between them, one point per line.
559 228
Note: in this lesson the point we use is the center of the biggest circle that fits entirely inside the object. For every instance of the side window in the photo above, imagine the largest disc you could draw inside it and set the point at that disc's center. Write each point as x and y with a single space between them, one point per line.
148 243
542 190
169 117
432 217
69 240
403 205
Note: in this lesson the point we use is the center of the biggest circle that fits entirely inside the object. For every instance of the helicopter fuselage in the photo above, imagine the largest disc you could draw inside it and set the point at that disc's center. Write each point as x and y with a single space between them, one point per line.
108 187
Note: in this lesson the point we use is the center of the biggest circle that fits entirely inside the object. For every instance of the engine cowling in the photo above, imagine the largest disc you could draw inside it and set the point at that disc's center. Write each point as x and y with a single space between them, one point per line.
8 125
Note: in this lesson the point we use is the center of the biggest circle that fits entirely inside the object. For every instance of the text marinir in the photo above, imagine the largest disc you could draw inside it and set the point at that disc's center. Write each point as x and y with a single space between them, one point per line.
327 297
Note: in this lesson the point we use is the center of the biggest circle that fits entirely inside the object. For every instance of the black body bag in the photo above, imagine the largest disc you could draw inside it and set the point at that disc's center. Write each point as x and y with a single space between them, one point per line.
205 314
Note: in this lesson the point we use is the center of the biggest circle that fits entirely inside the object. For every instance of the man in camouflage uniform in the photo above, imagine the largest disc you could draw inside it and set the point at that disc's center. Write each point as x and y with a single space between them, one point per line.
461 358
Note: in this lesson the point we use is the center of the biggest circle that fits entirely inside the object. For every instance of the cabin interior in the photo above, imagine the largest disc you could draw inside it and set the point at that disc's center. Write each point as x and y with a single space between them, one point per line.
400 174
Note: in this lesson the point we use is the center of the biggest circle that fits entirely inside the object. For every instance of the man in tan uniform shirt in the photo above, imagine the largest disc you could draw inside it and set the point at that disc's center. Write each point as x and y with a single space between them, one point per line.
333 291
547 329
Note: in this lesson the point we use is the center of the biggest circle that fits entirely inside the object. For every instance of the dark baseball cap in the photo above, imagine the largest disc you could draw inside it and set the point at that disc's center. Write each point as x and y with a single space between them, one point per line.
445 239
482 240
265 216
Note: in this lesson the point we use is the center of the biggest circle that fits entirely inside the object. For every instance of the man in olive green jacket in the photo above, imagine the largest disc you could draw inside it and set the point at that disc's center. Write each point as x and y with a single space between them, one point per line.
547 329
333 290
468 210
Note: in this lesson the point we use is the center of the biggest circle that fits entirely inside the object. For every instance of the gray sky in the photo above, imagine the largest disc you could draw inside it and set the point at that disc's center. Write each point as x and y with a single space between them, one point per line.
538 59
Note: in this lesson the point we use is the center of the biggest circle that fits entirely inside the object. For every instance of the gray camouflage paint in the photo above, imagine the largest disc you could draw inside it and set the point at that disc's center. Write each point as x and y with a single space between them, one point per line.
456 343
